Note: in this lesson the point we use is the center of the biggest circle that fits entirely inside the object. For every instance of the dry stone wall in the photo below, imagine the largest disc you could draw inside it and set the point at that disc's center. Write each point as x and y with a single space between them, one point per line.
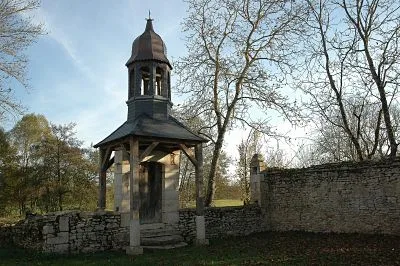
80 232
222 222
346 197
68 232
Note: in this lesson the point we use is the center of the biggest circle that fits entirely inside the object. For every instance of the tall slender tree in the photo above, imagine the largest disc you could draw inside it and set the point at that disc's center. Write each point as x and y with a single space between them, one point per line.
234 64
352 65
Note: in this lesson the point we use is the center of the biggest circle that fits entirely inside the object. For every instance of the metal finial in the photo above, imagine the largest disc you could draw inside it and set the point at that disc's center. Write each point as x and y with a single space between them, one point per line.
149 14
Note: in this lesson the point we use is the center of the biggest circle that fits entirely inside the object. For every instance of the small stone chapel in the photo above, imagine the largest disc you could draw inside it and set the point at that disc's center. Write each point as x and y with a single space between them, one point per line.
147 148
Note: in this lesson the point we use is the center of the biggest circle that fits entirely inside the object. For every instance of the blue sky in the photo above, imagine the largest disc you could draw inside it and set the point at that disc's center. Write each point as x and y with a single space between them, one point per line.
77 71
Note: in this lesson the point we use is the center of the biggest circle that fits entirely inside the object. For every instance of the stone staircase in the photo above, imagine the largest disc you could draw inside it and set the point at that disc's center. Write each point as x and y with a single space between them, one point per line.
160 236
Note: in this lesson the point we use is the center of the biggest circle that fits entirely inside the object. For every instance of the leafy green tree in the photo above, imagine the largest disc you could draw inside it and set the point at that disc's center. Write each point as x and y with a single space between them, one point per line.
26 137
8 164
69 171
49 170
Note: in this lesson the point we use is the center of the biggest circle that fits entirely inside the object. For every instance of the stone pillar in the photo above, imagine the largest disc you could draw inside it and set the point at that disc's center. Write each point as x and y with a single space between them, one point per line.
257 165
134 223
102 181
200 220
121 194
170 195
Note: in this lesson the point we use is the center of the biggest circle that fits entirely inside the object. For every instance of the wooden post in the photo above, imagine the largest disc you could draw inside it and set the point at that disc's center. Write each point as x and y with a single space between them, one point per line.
134 223
102 180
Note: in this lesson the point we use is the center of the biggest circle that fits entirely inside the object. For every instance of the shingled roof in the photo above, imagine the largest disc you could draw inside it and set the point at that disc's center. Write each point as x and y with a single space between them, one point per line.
145 126
148 46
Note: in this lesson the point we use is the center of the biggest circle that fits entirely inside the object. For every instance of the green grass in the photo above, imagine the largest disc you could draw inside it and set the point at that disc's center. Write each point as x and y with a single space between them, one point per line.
227 202
218 203
9 220
270 248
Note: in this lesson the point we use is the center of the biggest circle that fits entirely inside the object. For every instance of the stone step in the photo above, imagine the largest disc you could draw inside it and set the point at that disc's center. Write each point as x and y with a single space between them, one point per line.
153 226
161 240
155 233
170 246
160 236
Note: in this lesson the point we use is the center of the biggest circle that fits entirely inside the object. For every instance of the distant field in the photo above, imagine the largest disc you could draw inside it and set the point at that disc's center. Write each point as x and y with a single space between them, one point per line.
9 220
227 202
216 203
219 203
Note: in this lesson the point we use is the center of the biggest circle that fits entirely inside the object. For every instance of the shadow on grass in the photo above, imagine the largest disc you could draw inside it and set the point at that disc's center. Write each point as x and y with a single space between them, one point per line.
269 248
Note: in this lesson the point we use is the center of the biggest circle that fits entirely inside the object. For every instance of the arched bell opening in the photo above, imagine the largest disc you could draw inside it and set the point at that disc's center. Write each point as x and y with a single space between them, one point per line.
145 83
131 92
159 78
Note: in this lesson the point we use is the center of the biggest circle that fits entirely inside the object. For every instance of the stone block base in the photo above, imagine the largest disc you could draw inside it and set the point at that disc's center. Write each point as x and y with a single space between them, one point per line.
134 250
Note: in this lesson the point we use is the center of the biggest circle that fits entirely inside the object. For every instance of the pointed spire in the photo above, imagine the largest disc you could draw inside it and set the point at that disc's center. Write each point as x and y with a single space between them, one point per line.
149 24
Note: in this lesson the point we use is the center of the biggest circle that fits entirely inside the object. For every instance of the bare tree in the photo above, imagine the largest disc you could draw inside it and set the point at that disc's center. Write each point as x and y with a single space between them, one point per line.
352 71
329 82
377 25
339 78
17 32
235 64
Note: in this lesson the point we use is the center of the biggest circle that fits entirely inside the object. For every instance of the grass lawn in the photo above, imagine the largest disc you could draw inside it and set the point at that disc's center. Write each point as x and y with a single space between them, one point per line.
270 248
218 203
227 202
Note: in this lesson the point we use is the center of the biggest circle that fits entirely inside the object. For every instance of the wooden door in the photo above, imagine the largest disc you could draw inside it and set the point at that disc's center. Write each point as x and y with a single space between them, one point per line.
150 189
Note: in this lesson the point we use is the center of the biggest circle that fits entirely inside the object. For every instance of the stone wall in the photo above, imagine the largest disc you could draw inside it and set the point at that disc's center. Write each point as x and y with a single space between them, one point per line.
68 232
222 222
80 232
346 197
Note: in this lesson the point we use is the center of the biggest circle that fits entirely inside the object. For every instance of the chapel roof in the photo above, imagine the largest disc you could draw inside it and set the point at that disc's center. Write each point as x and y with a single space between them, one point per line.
149 46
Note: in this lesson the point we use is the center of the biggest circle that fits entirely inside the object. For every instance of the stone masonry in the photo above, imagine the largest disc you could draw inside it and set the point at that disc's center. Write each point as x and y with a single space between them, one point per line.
68 232
343 197
80 232
222 222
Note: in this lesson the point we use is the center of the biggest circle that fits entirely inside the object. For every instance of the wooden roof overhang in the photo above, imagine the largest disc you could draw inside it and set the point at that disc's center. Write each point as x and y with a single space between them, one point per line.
163 144
152 135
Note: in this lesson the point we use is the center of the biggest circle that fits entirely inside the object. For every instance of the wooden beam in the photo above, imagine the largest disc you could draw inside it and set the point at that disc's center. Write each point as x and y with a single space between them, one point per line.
125 147
189 154
134 178
110 162
148 150
107 155
102 180
134 233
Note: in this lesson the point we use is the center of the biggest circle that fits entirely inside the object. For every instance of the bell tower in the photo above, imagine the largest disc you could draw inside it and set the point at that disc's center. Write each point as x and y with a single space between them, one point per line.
147 148
149 77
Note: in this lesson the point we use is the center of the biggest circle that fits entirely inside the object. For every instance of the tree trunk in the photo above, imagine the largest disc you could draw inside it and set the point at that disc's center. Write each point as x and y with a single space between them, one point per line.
338 94
384 103
60 207
379 81
213 168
